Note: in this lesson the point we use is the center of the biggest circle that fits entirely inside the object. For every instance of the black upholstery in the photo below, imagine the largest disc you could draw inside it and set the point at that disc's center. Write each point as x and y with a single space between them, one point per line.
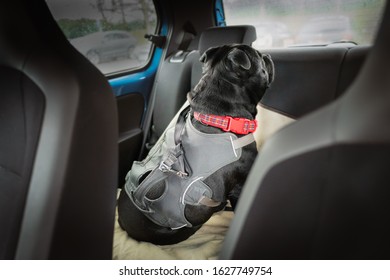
130 112
223 35
353 61
319 187
182 71
22 105
309 78
173 84
58 143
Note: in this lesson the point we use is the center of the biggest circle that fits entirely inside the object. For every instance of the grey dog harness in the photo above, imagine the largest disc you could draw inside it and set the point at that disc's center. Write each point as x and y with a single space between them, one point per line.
183 158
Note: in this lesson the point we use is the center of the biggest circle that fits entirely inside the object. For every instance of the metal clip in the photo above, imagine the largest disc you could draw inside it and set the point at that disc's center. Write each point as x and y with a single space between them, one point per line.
167 168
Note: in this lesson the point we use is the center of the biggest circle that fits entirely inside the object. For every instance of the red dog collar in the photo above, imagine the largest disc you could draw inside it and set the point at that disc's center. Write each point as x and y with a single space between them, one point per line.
226 123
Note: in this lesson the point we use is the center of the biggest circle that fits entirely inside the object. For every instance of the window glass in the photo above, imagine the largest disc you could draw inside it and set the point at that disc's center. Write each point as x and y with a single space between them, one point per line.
283 23
110 33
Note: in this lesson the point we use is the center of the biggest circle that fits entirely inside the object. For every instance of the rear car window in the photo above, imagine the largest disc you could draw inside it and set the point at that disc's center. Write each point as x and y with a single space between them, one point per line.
284 23
110 33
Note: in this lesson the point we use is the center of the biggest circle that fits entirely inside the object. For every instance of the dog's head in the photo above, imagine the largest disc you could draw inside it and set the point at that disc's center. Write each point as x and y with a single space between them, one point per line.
237 73
237 63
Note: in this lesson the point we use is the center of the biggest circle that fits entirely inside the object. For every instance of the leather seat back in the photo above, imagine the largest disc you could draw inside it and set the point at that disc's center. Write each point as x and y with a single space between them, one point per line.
58 143
319 188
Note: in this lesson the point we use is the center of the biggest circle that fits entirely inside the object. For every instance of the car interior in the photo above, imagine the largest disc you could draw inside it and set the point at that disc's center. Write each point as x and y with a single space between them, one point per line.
69 135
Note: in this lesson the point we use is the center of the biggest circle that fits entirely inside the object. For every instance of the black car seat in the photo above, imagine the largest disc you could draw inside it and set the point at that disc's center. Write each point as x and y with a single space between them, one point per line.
182 71
319 189
306 79
58 143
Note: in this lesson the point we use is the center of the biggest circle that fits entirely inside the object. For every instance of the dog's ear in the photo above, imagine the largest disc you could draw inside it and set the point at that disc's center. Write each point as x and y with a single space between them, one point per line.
270 67
208 54
239 60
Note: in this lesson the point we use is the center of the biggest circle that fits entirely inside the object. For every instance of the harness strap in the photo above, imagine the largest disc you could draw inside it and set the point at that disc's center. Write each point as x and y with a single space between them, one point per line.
243 141
180 124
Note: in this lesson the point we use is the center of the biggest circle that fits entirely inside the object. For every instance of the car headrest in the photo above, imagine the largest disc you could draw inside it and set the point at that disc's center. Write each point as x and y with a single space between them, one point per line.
222 35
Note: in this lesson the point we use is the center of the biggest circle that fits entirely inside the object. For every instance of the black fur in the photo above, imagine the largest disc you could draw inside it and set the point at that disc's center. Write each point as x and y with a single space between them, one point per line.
235 77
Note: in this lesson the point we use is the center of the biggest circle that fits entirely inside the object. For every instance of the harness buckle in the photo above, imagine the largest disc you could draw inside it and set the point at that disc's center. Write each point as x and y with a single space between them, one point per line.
164 167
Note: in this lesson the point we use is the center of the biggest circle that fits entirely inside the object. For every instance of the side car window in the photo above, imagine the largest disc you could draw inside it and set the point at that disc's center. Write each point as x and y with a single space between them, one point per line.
285 23
110 33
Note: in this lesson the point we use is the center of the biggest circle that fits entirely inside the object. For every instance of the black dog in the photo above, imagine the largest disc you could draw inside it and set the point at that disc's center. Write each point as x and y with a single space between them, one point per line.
234 80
